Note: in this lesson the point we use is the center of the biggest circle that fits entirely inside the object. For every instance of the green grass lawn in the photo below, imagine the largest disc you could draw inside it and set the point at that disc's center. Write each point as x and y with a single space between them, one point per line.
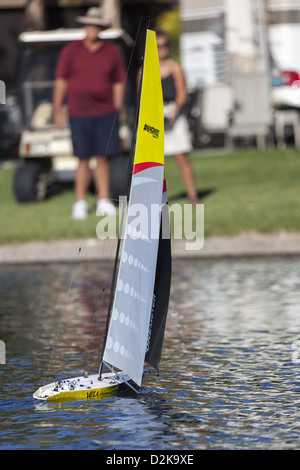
245 190
250 190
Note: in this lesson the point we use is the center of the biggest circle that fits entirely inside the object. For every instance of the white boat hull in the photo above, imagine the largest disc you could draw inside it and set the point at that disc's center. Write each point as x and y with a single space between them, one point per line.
84 387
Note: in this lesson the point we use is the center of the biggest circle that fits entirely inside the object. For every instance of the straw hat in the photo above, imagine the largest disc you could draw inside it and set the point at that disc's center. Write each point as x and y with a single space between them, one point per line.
93 16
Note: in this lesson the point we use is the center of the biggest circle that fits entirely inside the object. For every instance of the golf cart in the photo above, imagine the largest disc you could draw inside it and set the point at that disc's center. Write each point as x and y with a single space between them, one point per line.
45 152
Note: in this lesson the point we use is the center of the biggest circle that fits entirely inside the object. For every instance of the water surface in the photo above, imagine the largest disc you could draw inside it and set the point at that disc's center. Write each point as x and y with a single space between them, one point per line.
229 375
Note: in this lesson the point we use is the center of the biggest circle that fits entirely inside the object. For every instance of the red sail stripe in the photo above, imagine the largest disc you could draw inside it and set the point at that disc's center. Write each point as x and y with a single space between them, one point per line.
144 165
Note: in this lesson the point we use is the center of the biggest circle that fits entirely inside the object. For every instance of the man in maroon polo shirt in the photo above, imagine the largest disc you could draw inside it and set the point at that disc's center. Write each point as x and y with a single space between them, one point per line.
91 74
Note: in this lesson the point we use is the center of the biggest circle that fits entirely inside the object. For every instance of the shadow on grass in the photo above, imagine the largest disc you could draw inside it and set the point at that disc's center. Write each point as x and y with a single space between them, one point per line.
201 195
59 187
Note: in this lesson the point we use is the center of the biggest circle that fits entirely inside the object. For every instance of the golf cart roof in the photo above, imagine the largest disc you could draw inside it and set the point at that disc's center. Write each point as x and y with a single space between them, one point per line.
63 35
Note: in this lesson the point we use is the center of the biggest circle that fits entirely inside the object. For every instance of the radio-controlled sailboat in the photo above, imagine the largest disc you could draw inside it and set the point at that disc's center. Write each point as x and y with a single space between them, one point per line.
140 291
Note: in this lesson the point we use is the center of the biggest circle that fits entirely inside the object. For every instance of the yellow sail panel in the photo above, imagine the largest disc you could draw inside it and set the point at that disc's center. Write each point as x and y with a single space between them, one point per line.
150 132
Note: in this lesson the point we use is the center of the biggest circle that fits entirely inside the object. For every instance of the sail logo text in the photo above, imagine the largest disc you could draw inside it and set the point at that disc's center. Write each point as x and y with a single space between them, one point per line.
186 221
93 394
2 92
151 322
2 352
152 130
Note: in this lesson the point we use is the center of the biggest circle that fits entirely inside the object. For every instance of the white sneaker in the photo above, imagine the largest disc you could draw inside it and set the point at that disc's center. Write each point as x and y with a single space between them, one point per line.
80 210
105 207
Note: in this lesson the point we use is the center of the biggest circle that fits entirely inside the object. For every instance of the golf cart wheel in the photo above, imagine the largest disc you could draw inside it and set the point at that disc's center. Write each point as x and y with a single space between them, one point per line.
30 182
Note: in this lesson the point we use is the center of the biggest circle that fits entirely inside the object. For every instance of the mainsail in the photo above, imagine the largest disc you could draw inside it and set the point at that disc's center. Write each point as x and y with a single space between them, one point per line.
140 303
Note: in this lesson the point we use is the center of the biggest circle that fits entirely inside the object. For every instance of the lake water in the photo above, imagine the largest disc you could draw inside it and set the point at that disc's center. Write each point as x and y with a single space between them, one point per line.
230 372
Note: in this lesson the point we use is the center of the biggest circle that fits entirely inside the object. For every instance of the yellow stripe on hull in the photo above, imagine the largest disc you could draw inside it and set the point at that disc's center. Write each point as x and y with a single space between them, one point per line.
84 387
85 394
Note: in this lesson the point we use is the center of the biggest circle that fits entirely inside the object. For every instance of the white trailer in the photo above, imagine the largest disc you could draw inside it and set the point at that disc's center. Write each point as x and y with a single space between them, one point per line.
224 39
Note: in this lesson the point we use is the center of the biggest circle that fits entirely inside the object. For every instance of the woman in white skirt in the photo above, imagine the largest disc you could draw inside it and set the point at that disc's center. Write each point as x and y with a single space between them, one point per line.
177 136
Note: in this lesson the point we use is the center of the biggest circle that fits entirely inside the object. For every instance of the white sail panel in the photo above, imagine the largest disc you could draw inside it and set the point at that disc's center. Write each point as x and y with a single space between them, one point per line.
127 337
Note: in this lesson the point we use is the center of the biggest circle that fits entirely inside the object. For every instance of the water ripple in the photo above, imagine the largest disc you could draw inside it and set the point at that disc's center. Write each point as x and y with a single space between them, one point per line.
229 379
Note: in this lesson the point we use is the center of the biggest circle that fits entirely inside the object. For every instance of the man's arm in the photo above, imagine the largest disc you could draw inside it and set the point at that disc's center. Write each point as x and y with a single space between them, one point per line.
118 95
59 93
